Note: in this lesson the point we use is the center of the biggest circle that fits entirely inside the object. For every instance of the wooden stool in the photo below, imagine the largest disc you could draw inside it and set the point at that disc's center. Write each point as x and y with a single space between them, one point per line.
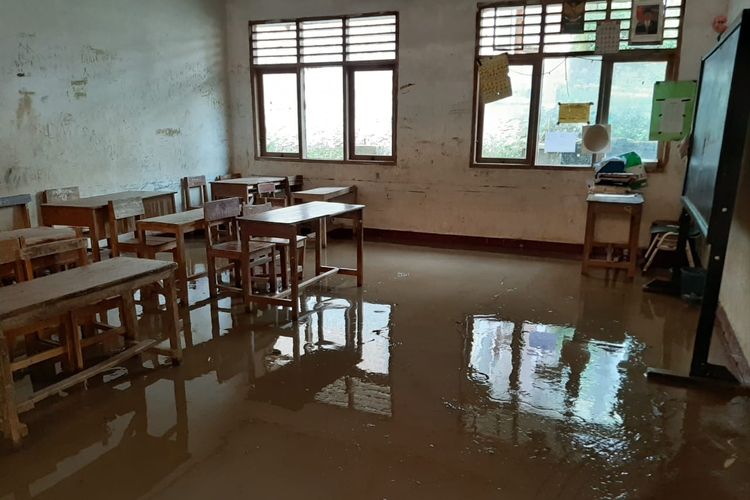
632 205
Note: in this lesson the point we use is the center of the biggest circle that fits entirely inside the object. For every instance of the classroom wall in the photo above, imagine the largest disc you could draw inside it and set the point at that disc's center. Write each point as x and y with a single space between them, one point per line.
111 95
432 188
735 288
737 6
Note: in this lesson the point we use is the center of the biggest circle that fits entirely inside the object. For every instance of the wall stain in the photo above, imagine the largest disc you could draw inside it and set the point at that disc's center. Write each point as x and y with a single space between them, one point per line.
169 132
25 106
92 55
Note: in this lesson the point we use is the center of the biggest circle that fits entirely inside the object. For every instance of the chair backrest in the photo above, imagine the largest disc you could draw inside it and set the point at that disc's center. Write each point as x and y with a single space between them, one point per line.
266 188
189 183
256 209
221 212
123 216
10 259
76 247
61 194
17 206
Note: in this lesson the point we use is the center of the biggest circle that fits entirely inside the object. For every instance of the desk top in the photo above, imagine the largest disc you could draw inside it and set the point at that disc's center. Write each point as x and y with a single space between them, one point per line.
21 298
102 200
251 180
39 235
176 219
304 212
623 199
324 191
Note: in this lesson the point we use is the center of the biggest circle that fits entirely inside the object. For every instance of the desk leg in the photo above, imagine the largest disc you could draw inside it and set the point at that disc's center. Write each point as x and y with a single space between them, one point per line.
359 235
318 248
635 229
247 285
182 275
294 275
94 235
12 427
173 319
324 231
588 241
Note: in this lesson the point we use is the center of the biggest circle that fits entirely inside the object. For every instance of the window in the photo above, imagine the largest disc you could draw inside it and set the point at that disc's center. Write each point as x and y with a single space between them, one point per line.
548 67
324 89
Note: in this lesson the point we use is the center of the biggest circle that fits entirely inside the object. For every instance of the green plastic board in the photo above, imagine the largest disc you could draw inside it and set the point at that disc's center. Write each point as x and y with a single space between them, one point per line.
672 110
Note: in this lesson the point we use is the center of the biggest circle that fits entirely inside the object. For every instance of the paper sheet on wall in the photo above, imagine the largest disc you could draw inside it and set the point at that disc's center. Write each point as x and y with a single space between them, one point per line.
494 81
560 142
672 110
672 116
574 112
608 37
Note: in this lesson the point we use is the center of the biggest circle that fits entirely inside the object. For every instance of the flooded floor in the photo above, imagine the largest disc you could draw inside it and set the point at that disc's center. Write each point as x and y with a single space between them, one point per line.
451 374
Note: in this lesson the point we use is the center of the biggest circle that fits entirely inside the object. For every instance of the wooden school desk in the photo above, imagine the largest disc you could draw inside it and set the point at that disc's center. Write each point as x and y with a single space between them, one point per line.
219 189
628 205
341 194
285 223
31 302
178 225
91 212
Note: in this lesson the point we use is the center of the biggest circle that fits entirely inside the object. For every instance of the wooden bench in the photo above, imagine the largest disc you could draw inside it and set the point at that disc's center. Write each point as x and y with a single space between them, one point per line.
42 248
31 303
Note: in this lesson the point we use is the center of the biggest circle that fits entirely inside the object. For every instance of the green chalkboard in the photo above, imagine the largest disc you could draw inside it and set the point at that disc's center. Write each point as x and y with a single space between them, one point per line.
672 110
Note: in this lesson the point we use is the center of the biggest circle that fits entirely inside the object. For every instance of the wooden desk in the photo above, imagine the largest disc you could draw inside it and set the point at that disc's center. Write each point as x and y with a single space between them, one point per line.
27 303
91 212
345 194
178 225
285 223
630 205
219 190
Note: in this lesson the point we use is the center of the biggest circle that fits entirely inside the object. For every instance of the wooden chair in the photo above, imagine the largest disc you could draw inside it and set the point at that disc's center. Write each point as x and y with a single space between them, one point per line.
224 213
190 183
18 206
267 193
124 214
282 244
55 337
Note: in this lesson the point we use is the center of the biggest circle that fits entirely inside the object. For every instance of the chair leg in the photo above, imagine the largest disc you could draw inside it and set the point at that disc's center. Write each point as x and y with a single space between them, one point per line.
302 249
284 266
211 264
272 270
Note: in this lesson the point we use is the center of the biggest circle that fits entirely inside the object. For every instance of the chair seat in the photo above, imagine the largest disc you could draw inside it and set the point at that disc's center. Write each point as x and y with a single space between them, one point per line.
151 241
236 246
279 241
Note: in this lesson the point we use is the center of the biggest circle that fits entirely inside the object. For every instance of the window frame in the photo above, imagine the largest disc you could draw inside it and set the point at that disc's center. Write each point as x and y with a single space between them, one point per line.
536 60
348 69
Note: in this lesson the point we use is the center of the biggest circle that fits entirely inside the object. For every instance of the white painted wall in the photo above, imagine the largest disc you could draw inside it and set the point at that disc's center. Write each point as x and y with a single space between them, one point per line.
737 6
432 189
735 289
116 95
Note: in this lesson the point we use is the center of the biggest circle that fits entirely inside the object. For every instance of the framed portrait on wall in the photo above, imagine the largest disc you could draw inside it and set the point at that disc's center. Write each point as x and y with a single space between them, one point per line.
647 22
573 16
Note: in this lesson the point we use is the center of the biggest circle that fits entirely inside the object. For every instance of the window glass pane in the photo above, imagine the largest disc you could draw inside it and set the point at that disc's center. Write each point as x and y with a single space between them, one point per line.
324 113
280 111
373 113
505 129
566 80
630 107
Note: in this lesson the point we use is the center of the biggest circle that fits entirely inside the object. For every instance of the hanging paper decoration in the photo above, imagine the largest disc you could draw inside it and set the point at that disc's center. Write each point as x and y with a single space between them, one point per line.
597 139
494 81
608 37
575 112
